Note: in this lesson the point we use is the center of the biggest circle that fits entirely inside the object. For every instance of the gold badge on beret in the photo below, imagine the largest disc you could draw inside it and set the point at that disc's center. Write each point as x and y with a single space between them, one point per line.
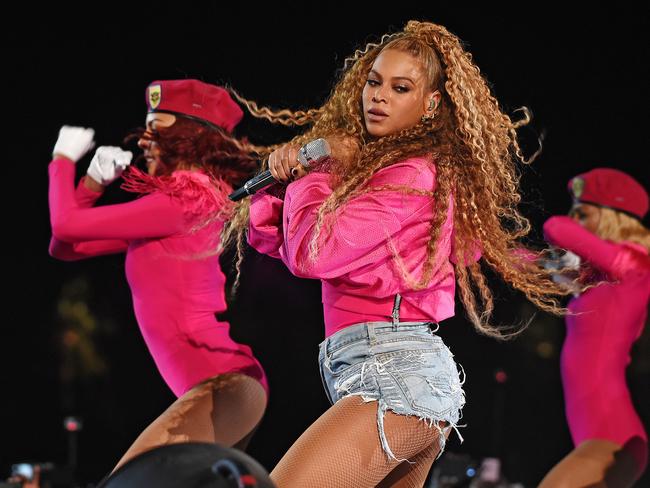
577 186
154 96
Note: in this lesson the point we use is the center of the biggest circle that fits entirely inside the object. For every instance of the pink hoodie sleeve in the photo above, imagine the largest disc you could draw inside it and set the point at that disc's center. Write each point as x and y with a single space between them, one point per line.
361 228
107 227
564 232
265 224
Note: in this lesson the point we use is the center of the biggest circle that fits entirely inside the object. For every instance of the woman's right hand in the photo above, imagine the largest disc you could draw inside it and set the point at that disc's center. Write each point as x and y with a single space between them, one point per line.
284 164
73 143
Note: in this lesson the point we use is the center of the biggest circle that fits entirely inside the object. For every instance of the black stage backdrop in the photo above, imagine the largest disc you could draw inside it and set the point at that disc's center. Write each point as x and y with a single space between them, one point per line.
71 343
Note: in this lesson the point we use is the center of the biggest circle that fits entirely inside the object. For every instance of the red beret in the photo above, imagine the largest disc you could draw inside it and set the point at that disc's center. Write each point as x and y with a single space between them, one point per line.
194 99
611 188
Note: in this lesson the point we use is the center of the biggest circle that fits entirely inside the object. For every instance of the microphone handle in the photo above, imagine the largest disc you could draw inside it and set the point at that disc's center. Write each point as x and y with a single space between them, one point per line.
312 152
253 185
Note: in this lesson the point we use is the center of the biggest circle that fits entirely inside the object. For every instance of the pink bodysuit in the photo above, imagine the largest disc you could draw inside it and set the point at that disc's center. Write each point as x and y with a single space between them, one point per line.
356 263
172 265
598 341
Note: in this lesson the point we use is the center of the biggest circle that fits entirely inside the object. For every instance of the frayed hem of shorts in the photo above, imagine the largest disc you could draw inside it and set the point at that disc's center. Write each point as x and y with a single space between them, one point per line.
382 407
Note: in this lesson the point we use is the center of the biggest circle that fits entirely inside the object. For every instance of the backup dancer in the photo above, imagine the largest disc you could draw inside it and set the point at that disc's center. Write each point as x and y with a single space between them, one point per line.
171 237
605 232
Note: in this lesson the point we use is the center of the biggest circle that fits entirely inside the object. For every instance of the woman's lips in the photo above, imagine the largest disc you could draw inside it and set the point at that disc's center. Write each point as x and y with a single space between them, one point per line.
375 117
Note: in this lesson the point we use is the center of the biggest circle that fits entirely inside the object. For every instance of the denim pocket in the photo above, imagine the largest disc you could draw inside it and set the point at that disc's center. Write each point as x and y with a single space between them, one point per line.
340 360
430 382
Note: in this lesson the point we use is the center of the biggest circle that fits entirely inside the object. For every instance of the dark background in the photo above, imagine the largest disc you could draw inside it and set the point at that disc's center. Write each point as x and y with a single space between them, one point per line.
584 75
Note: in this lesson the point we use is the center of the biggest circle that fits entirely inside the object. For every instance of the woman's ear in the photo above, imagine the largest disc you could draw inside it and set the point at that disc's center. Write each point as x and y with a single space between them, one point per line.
433 102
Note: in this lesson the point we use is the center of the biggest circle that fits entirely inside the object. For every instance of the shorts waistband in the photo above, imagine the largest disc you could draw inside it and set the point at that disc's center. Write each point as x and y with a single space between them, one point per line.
369 330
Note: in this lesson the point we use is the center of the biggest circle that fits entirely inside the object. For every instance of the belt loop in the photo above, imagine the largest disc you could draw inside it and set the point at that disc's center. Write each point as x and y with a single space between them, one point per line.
396 304
372 334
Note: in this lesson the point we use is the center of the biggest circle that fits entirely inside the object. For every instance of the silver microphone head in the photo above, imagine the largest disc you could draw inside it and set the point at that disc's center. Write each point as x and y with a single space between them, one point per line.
314 152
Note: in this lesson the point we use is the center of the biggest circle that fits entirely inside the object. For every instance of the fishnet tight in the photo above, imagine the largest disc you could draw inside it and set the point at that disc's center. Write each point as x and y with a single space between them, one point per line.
342 449
225 410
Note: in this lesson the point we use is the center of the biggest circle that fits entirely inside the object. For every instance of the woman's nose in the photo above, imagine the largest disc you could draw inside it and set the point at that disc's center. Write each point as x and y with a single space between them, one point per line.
143 143
378 96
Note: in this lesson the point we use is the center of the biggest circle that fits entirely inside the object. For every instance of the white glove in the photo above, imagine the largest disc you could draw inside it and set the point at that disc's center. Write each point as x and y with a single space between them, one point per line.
74 142
108 163
570 264
567 282
570 260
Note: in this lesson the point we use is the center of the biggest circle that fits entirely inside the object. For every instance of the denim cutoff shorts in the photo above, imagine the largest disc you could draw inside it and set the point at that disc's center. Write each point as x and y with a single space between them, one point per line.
403 366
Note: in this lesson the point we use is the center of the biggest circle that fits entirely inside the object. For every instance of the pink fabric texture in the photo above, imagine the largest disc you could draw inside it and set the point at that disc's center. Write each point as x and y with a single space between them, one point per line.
596 352
172 265
356 264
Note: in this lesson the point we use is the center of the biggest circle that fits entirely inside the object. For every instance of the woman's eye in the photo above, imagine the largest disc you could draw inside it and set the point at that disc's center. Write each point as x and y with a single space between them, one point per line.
401 89
372 82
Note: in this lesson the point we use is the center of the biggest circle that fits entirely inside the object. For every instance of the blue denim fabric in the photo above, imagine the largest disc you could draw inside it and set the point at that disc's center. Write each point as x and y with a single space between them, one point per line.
403 366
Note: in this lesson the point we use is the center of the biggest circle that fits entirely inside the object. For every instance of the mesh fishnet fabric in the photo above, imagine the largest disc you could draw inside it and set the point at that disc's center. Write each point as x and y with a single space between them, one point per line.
225 410
342 449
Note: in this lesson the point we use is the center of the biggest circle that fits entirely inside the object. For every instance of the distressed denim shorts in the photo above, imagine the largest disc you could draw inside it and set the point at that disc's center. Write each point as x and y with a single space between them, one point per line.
405 367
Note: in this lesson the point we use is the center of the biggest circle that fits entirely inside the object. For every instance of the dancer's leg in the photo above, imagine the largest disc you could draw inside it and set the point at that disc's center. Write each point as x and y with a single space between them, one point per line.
598 463
224 409
343 448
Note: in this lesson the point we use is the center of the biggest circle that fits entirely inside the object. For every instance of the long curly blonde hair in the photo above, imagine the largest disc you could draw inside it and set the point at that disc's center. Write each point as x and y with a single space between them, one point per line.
617 226
475 149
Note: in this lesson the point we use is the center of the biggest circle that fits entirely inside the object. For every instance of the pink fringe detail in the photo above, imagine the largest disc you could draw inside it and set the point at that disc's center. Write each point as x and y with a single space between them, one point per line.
204 198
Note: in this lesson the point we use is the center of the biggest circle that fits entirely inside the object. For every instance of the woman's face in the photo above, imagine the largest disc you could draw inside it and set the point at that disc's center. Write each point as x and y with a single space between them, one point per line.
154 122
586 215
397 94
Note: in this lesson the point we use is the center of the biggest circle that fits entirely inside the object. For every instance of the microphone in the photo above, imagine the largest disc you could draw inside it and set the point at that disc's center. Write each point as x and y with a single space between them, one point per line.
311 153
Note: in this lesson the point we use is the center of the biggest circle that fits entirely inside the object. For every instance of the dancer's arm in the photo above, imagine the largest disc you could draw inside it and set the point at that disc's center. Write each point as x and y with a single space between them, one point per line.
73 251
564 232
154 215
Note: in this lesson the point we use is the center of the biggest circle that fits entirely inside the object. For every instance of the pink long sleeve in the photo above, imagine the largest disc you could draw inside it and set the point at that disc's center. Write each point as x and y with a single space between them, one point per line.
265 224
107 227
361 228
607 256
73 251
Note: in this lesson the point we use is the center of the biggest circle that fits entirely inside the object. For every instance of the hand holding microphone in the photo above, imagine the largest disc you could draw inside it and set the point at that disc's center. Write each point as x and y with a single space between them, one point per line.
285 163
